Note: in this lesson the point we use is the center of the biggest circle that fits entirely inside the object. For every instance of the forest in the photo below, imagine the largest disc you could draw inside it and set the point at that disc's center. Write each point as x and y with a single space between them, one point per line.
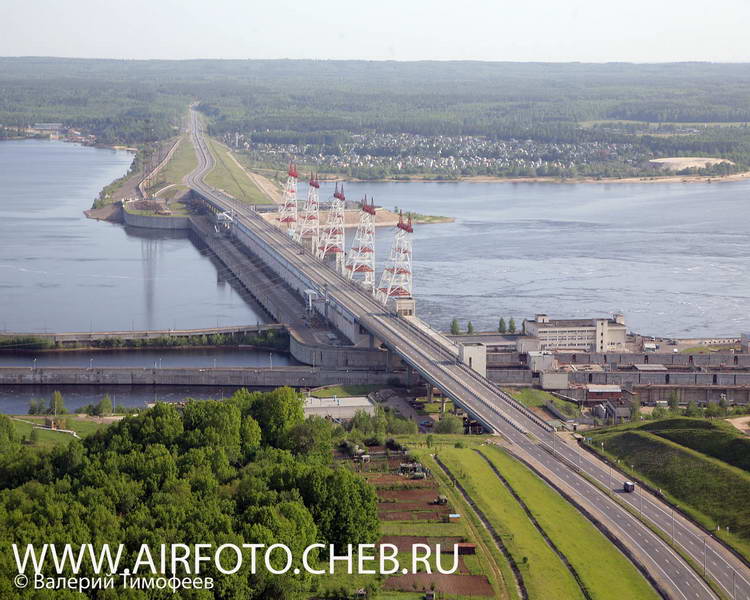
250 469
322 104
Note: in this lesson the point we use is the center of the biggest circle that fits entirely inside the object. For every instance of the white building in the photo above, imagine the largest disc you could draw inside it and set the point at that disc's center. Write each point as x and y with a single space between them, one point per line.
582 335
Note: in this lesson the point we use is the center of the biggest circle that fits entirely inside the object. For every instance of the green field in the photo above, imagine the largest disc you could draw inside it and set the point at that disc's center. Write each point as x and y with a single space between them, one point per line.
712 491
540 398
344 391
183 161
230 178
543 572
612 575
49 438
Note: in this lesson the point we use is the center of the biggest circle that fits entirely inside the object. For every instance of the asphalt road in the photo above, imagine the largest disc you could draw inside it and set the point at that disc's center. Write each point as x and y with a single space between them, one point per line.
532 436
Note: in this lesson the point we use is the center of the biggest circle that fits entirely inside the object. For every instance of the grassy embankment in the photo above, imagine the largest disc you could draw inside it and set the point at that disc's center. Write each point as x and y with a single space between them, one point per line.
532 397
701 466
271 338
709 349
611 575
542 570
47 438
230 178
345 390
168 183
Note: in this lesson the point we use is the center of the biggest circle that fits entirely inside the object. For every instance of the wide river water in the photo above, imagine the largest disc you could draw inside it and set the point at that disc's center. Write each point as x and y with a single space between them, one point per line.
60 271
672 257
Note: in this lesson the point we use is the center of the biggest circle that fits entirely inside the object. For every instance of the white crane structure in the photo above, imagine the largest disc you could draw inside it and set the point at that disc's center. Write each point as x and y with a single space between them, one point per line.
332 235
288 207
309 219
360 264
396 279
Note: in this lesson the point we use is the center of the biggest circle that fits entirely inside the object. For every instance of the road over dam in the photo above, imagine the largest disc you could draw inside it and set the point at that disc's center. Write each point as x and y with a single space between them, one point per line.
630 518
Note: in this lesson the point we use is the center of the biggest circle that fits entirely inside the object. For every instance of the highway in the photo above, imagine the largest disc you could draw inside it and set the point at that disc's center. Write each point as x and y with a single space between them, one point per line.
530 436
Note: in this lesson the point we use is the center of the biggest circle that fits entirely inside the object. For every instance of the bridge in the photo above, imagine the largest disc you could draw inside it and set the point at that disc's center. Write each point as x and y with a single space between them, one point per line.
631 519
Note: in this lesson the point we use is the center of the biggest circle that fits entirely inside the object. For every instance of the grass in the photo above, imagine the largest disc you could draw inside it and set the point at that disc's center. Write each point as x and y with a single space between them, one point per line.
715 438
711 491
183 161
540 398
543 572
49 438
228 176
612 575
709 349
344 390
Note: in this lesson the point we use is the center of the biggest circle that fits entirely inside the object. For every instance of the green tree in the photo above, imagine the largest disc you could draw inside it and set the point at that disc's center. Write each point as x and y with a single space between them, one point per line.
56 404
455 327
501 326
512 325
692 409
674 402
635 408
313 437
34 435
7 432
469 328
450 424
277 412
105 406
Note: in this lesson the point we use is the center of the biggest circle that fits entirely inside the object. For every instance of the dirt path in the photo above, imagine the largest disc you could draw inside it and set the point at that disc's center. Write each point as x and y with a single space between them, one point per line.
741 423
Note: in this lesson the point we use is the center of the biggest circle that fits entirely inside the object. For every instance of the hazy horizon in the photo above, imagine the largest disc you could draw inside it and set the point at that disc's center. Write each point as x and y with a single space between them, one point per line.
584 31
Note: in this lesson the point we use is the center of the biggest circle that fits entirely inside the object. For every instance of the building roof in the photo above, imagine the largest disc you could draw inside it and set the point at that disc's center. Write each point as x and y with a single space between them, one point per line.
650 367
597 388
554 323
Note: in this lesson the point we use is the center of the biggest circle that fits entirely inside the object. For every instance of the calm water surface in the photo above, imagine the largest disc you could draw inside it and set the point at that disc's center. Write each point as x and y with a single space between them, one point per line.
673 257
60 271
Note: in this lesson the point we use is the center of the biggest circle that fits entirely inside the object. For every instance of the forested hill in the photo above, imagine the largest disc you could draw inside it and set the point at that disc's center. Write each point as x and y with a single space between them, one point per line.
131 101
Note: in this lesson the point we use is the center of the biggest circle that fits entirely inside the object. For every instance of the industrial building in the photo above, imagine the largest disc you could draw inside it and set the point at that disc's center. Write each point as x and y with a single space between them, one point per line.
581 335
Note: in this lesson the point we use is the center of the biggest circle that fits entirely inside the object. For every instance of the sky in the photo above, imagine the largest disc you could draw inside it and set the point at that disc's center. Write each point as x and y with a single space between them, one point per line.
499 30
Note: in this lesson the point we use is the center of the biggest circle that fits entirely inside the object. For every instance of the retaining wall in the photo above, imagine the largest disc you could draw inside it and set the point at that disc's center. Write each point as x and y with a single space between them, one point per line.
254 377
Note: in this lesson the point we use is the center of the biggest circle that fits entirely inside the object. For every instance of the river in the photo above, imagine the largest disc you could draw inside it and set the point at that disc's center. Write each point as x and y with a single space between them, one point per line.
671 257
60 271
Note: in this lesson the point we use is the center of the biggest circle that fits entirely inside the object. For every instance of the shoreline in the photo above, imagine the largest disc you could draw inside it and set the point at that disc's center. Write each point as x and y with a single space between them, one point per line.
745 175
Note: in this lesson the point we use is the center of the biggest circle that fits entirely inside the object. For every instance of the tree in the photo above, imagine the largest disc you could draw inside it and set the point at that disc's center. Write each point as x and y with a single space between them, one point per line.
659 413
313 437
56 404
34 436
105 406
501 327
449 424
635 408
7 432
277 412
455 327
674 402
692 409
469 328
512 325
712 410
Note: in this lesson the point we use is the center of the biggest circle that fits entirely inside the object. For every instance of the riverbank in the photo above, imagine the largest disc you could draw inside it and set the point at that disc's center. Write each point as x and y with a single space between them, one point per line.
426 178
